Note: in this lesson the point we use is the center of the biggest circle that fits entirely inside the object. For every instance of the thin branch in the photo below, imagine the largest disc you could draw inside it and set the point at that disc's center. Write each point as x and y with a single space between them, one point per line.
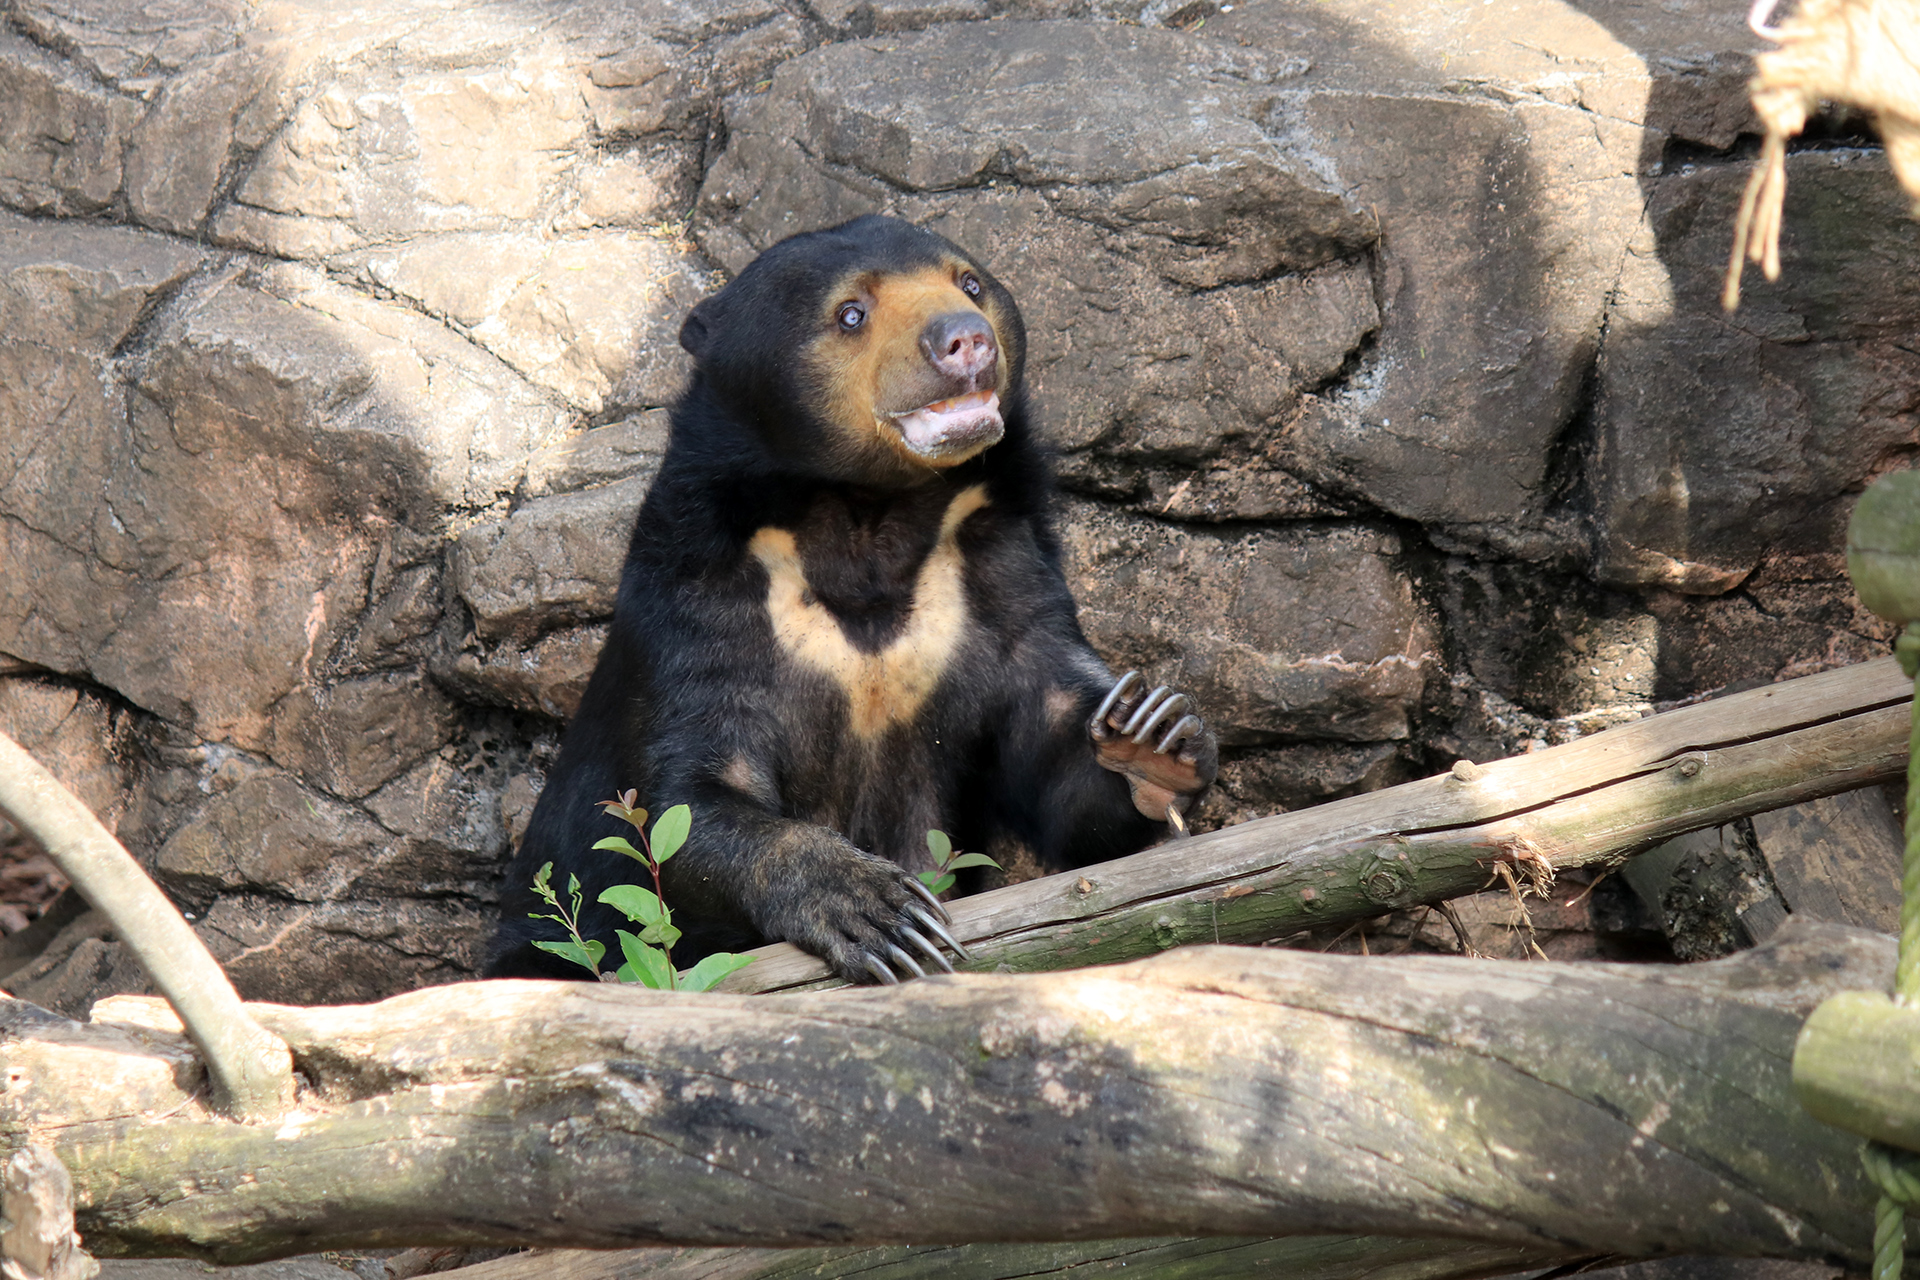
251 1068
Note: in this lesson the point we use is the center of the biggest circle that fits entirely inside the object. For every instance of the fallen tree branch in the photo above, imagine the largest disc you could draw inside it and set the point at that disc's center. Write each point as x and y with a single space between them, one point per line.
1595 801
252 1073
1298 1258
1220 1091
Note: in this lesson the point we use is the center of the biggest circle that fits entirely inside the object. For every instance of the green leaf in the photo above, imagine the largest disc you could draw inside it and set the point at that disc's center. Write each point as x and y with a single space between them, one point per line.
626 810
709 971
634 902
940 847
662 934
936 882
972 860
541 881
671 832
620 844
649 964
587 957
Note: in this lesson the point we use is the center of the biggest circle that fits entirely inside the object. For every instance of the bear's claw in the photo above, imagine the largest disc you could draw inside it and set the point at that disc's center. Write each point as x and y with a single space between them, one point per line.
899 960
939 931
1164 710
1122 688
1185 731
1165 775
926 948
904 961
932 900
863 914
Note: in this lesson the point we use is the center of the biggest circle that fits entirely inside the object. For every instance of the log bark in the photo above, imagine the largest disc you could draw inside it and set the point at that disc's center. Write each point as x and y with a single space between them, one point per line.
1590 1109
1598 800
1300 1258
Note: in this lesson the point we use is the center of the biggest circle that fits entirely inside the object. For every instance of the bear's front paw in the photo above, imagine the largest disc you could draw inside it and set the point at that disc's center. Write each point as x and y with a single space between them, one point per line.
870 920
1152 738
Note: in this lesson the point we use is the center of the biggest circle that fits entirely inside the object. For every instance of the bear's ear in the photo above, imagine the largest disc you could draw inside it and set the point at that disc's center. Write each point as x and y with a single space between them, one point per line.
696 333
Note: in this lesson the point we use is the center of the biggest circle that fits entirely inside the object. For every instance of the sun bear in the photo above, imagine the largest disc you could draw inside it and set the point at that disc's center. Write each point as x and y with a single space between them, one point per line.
842 622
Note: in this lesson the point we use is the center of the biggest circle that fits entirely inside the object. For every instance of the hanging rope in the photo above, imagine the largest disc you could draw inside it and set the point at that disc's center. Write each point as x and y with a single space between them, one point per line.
1865 53
1895 1171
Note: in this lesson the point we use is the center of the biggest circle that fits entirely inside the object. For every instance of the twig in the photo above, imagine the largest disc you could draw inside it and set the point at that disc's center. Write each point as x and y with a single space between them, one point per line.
1587 892
1413 934
1459 928
1504 871
252 1070
1340 937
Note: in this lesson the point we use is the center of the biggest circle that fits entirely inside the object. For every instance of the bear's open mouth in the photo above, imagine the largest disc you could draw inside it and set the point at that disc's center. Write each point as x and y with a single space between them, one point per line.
962 424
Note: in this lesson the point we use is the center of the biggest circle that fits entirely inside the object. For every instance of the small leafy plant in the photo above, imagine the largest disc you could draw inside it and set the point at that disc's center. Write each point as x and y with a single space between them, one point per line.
946 862
648 954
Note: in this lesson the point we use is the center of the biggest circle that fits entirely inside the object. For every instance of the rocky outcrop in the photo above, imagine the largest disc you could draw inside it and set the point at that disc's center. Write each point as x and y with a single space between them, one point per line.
1784 405
1381 352
1198 277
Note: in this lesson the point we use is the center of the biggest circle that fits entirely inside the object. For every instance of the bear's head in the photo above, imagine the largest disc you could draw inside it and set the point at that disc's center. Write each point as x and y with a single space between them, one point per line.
873 352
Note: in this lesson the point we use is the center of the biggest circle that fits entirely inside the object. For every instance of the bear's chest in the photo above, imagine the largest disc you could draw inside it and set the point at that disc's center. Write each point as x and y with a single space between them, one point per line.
880 614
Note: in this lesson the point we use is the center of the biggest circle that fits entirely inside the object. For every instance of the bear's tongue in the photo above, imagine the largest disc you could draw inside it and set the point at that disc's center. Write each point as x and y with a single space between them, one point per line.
945 427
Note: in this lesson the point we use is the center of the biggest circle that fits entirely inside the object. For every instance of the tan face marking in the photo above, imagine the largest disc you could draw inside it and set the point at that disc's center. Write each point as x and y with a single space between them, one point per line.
886 688
879 369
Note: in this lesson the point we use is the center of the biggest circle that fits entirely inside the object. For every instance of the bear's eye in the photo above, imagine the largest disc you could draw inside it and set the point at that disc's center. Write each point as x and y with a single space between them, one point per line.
852 316
970 284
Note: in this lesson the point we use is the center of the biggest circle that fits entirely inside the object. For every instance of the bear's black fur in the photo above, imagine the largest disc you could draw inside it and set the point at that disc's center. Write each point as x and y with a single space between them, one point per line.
842 622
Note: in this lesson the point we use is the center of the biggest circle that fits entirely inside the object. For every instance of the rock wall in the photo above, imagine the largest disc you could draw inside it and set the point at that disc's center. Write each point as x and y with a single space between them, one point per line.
1380 347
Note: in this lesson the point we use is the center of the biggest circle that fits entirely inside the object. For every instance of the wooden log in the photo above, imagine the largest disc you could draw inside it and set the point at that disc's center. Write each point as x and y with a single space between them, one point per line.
1213 1092
1856 1065
1299 1258
1710 893
1837 858
1598 800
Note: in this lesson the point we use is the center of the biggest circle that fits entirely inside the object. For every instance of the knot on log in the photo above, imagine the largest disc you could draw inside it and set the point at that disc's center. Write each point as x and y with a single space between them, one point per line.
1384 887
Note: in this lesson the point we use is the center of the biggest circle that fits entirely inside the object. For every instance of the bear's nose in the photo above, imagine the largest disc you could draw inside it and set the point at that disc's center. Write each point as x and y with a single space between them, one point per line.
960 344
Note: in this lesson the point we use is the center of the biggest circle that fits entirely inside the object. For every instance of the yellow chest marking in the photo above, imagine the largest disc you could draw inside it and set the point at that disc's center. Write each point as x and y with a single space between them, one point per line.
885 688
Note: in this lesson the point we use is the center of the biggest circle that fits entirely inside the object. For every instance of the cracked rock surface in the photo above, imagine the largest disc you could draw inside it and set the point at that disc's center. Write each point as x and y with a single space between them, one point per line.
1380 350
